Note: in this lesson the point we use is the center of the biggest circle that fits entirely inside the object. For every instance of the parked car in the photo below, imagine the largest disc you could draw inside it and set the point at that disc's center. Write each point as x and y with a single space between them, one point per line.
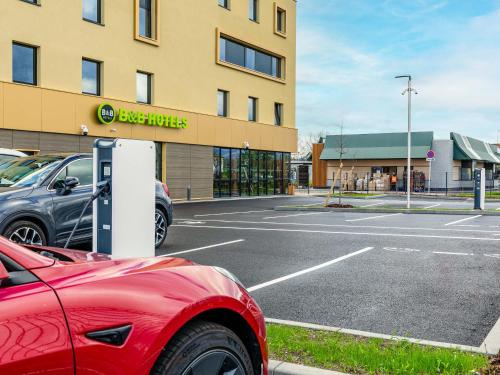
66 312
37 207
7 154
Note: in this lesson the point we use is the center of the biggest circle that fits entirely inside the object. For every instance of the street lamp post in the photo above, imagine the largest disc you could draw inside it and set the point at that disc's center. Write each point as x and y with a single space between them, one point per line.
408 90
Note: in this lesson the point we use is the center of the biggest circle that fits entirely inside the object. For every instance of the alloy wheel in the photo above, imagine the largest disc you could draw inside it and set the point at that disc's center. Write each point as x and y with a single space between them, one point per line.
160 228
216 362
26 235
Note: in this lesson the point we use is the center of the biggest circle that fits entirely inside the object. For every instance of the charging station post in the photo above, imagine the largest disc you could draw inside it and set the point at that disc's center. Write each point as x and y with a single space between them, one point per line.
479 188
123 216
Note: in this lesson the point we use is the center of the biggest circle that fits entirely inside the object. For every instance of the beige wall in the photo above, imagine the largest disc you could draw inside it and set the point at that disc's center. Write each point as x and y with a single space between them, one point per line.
186 75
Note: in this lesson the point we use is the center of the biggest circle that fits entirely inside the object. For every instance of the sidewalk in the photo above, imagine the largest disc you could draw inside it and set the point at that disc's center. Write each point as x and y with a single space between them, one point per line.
285 368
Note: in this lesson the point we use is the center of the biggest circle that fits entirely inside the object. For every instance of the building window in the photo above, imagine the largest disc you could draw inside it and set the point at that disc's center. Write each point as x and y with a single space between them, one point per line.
224 3
24 64
145 18
143 81
252 109
91 10
278 114
31 1
91 77
222 103
279 20
250 58
253 10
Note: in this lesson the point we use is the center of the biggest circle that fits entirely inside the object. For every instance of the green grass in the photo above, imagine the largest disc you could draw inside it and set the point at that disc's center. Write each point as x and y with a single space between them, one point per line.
490 195
342 352
356 195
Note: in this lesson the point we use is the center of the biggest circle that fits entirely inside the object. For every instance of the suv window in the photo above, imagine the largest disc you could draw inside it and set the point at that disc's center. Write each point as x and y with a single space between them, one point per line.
81 169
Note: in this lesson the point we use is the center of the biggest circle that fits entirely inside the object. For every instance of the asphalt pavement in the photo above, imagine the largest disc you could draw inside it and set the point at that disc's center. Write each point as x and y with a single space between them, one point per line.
430 277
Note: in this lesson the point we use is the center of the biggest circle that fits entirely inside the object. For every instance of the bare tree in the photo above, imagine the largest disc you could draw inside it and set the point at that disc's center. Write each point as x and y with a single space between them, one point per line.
305 144
340 147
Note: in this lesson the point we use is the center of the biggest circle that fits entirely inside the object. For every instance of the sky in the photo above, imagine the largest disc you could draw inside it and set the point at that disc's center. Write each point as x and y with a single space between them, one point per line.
348 52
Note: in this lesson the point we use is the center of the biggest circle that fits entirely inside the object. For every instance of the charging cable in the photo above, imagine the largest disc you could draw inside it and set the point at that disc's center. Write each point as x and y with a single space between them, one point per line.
101 187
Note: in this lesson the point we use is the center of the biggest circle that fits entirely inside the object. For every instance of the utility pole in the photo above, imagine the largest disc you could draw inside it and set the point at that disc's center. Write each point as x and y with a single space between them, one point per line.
409 90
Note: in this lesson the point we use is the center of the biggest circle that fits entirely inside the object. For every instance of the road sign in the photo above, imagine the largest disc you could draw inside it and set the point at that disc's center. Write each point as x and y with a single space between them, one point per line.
430 159
430 155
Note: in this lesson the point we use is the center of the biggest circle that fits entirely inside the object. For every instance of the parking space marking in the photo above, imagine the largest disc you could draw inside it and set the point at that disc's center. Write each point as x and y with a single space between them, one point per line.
373 217
308 270
232 213
307 214
401 249
462 220
451 253
491 344
332 232
384 336
492 255
201 248
352 226
373 204
432 206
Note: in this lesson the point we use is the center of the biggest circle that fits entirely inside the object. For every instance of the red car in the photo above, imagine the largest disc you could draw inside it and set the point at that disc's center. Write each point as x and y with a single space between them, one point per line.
69 311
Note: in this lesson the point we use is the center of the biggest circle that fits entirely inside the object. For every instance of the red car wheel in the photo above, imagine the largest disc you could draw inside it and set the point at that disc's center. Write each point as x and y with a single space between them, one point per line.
204 348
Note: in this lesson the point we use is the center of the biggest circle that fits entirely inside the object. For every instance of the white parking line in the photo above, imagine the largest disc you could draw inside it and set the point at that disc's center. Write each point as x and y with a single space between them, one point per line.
462 220
451 253
492 255
491 344
373 204
232 213
432 206
308 270
201 248
307 214
373 217
376 335
332 232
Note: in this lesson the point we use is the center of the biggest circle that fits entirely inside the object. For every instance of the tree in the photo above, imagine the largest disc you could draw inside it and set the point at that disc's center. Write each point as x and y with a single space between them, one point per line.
305 144
340 147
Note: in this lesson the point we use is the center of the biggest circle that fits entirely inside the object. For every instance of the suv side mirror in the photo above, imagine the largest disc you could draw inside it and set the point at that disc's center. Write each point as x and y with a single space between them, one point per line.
69 184
4 275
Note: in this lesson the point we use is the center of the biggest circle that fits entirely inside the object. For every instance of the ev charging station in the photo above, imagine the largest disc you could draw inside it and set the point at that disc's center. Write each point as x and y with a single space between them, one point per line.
479 188
123 216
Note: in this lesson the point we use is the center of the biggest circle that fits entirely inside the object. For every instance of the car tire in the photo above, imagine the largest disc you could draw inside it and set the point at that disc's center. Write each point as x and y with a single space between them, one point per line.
25 232
204 348
161 228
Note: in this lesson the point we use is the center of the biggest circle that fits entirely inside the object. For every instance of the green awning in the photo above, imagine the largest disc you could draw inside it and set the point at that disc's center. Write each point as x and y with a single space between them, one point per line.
467 148
377 146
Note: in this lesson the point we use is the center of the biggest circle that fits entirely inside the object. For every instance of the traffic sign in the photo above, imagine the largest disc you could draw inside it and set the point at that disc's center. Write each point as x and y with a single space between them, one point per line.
430 159
431 154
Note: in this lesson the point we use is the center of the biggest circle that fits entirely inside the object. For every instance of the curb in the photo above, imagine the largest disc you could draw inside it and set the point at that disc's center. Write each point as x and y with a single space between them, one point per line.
389 211
285 368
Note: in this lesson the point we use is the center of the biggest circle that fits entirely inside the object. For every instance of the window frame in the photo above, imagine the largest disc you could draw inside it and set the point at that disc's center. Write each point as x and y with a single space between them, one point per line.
254 103
34 60
155 23
253 6
281 66
99 76
50 186
32 2
277 106
99 13
149 87
225 103
226 5
280 14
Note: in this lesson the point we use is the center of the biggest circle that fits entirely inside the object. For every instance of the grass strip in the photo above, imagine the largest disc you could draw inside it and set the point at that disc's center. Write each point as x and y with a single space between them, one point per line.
359 355
491 195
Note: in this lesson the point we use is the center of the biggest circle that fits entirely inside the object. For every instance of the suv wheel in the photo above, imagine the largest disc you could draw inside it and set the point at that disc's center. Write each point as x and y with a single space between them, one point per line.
160 227
25 232
204 348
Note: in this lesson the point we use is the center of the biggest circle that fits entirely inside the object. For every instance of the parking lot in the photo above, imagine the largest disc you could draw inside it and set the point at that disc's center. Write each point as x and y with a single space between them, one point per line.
425 276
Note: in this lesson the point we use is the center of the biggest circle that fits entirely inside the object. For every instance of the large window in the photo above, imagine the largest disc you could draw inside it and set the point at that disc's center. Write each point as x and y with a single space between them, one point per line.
252 109
253 10
242 172
143 82
24 64
145 18
91 77
91 10
250 58
222 103
278 114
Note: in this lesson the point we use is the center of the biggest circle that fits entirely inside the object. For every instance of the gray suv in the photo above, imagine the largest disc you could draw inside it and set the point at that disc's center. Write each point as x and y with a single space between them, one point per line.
40 202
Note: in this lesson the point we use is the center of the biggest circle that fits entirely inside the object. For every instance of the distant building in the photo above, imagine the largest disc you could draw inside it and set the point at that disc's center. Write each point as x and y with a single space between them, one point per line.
379 161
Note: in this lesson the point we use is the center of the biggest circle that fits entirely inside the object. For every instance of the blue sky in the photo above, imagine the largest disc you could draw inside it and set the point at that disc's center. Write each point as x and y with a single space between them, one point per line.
348 52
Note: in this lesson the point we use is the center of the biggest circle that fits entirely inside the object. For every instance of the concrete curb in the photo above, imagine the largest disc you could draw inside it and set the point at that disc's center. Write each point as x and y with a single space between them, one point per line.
388 211
285 368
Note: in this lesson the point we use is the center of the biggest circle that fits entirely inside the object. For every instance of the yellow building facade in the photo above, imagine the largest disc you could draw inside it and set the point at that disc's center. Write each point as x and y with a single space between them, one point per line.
220 73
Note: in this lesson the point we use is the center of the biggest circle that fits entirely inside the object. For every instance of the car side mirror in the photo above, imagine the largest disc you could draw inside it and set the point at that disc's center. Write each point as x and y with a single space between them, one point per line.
69 184
4 275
